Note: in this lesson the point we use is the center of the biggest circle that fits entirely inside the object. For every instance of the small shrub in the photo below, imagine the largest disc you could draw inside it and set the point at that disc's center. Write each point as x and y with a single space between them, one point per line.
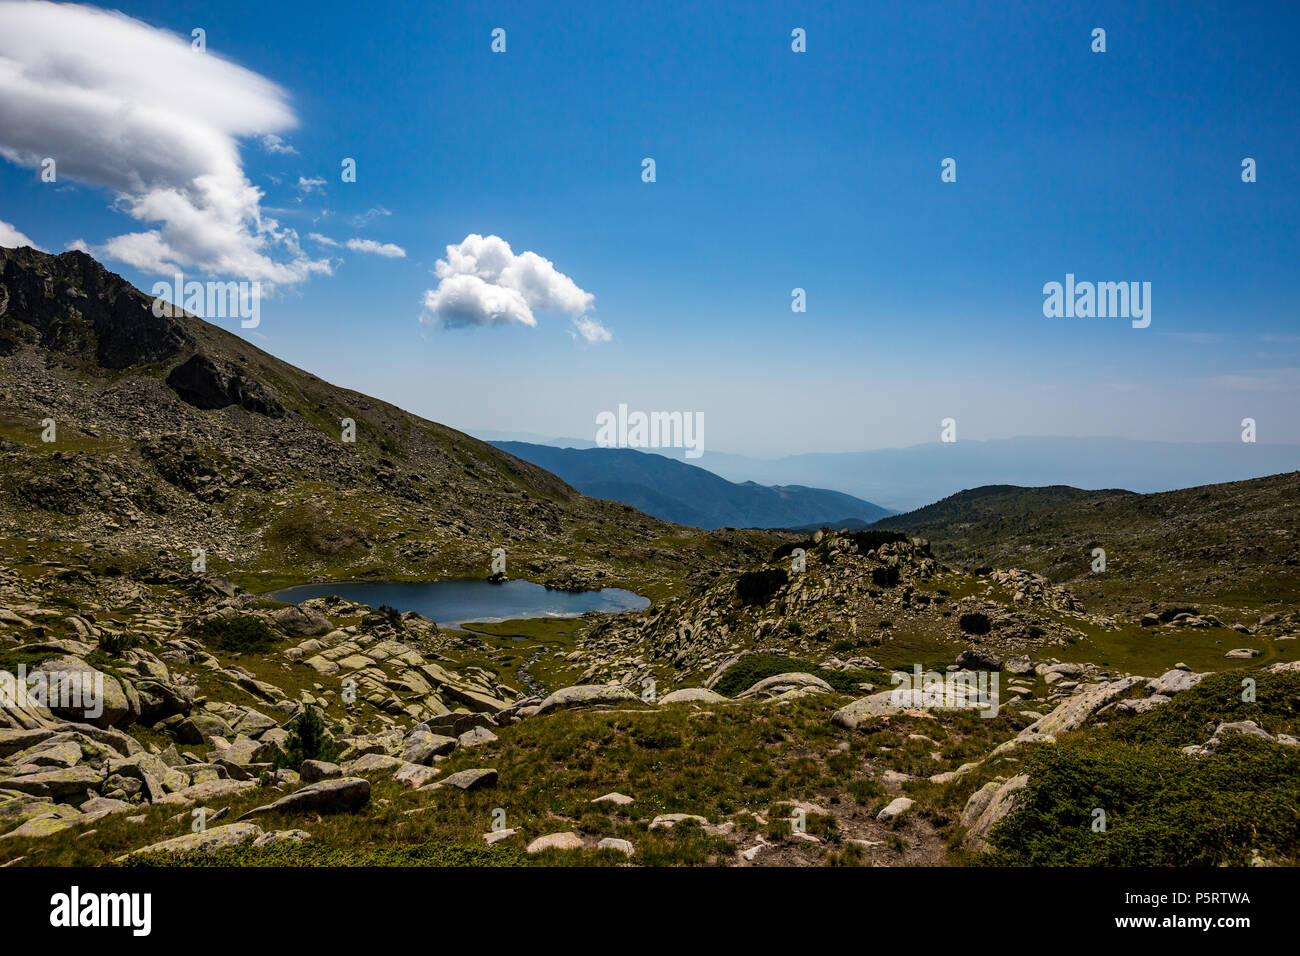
115 644
308 740
748 671
885 577
871 540
390 614
243 634
759 587
787 549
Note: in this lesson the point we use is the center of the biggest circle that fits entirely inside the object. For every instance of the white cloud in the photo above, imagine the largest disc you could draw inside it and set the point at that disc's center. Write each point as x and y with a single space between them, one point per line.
591 330
308 186
467 300
323 240
483 282
274 144
11 238
132 108
78 245
386 249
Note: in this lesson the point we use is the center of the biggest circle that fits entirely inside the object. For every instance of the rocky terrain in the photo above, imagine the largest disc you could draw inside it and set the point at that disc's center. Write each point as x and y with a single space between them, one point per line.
751 716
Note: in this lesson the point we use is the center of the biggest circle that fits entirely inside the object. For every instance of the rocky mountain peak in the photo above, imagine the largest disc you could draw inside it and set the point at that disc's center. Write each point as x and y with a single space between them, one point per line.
71 305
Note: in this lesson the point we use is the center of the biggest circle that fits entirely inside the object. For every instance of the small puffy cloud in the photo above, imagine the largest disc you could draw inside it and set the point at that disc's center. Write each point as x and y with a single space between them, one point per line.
78 245
386 249
466 300
483 282
274 144
591 330
11 238
308 186
131 108
323 240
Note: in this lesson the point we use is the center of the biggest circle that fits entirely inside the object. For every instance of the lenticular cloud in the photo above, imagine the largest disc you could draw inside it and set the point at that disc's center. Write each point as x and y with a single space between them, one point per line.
483 282
123 105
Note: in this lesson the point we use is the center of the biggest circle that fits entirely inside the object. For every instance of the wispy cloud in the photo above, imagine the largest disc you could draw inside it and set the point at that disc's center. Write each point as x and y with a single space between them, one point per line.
1261 380
365 218
167 151
274 144
386 249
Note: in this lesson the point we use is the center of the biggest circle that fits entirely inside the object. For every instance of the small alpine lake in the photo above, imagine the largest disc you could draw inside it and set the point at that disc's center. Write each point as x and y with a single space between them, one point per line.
453 602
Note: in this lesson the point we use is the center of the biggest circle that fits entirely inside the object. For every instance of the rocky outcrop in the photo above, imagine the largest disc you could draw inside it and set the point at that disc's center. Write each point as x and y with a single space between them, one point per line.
206 384
988 807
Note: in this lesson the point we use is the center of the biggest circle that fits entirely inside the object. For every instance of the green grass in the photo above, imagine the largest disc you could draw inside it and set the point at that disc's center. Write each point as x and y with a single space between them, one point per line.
1162 807
289 854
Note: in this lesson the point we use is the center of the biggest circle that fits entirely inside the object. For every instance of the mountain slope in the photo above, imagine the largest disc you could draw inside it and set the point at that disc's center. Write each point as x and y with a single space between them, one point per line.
683 493
173 435
1230 544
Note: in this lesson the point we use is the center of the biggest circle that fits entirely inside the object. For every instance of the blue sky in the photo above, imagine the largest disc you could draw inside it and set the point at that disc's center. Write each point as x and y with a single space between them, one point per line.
775 170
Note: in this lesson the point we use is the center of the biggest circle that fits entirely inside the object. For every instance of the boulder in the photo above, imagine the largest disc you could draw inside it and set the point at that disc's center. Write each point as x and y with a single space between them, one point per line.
556 841
1175 682
207 790
477 737
621 846
782 683
414 775
995 806
209 841
58 784
618 799
587 695
201 726
312 771
421 747
475 779
301 622
324 796
692 695
896 808
978 659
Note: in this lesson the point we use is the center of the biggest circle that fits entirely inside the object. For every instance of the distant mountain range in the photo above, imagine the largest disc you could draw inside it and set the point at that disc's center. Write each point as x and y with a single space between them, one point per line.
902 479
675 491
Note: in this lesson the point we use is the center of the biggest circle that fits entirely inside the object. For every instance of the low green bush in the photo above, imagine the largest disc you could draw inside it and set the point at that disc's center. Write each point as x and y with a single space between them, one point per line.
242 634
759 587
